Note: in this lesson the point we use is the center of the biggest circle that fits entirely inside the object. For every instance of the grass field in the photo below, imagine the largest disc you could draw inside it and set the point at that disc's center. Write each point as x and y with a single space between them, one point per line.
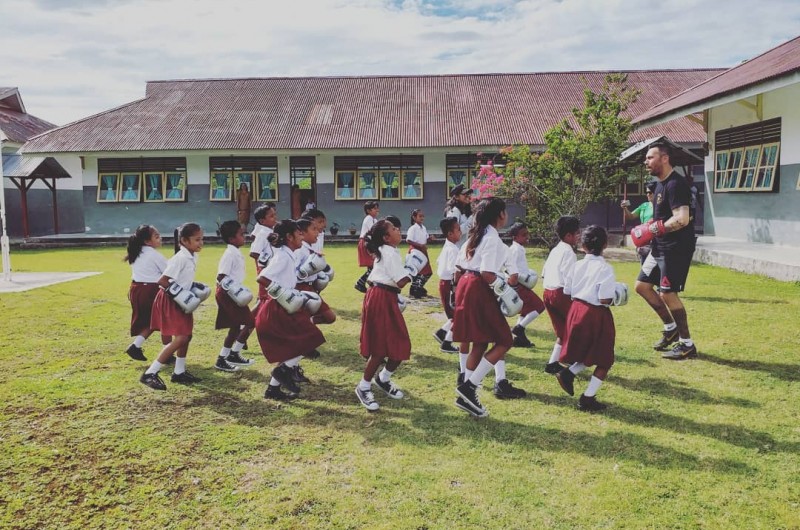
708 443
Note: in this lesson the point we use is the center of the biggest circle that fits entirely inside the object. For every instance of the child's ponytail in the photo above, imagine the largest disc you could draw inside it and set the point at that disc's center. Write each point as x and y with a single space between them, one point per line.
136 242
278 238
374 238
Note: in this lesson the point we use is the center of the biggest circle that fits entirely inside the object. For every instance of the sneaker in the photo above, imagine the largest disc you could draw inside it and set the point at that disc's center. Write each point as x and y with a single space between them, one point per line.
505 390
520 339
360 288
460 403
448 347
275 392
388 387
553 368
680 352
313 354
367 398
439 335
460 379
223 365
415 293
566 380
590 404
185 378
299 376
234 358
135 353
667 338
469 393
284 374
153 381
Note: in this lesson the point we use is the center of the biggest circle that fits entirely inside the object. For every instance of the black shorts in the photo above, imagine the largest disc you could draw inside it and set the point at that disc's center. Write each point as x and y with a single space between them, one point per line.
667 271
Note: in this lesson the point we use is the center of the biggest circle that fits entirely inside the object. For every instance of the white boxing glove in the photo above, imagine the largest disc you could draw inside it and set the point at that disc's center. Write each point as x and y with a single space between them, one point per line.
311 302
510 302
289 299
329 271
240 294
185 298
201 290
528 279
265 256
415 261
313 264
321 281
620 294
402 302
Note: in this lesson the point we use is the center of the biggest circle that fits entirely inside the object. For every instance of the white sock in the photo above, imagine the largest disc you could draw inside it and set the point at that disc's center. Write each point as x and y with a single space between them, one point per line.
274 382
499 370
687 342
670 326
462 361
154 368
449 335
577 368
180 365
448 325
291 363
224 352
594 386
480 372
237 346
138 341
467 373
385 375
364 385
556 355
519 321
527 319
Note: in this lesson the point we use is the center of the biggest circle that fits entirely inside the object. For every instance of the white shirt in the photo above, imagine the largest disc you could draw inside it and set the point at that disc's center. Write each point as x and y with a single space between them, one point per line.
463 221
149 266
557 271
517 263
489 256
231 264
282 268
261 244
317 247
593 280
389 269
418 234
300 255
446 262
258 228
181 267
366 224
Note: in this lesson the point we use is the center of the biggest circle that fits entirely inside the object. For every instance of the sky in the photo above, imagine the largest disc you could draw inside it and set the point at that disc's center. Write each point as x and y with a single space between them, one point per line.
74 58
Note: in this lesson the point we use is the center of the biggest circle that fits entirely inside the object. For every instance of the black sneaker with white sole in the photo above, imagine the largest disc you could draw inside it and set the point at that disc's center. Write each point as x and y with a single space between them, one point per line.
667 338
463 405
503 389
520 338
236 359
590 404
184 378
299 375
285 376
153 381
469 393
275 392
553 368
135 353
388 387
225 366
448 347
439 335
367 398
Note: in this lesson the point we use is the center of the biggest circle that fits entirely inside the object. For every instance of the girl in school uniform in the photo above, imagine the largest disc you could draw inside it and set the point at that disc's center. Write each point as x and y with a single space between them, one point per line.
309 234
384 335
147 266
556 274
477 318
532 305
284 338
319 219
266 217
365 259
417 238
167 315
238 320
590 333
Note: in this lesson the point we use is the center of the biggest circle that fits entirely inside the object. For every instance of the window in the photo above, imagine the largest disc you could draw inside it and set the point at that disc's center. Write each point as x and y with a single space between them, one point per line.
243 177
220 189
267 185
228 173
388 177
303 172
142 179
747 157
464 168
456 177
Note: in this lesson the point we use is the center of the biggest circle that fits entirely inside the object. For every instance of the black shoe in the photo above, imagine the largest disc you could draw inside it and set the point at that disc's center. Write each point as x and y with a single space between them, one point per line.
275 392
153 381
223 365
469 393
553 368
171 360
415 293
185 378
439 335
367 398
460 379
313 354
236 359
590 404
135 353
505 390
680 352
245 346
520 339
448 347
298 376
463 405
566 380
667 338
360 287
284 374
388 387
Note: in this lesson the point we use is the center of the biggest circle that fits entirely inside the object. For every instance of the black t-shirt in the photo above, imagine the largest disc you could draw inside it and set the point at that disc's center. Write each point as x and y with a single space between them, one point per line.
671 193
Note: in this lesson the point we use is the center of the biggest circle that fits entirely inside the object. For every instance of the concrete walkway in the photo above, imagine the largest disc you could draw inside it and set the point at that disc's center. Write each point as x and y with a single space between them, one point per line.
775 261
25 281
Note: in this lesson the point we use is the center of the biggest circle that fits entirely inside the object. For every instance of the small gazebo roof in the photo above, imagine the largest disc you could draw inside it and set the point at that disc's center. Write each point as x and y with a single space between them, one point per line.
32 167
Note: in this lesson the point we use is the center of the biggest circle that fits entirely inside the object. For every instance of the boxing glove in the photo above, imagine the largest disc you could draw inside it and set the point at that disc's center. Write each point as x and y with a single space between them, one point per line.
510 302
620 294
528 279
265 256
642 235
313 264
201 290
289 299
311 302
402 302
415 261
185 298
240 294
321 281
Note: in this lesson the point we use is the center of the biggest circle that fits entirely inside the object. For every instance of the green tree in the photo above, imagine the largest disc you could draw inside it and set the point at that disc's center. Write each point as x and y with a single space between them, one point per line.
579 163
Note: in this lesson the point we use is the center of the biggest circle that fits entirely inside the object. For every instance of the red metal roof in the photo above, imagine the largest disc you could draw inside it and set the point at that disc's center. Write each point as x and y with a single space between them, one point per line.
777 62
16 124
356 112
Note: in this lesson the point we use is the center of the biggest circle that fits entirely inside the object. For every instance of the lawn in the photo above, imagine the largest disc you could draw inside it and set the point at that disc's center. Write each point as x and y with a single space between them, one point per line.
707 443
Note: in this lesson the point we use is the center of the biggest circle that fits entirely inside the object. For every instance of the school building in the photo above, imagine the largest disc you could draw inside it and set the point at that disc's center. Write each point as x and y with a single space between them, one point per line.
184 150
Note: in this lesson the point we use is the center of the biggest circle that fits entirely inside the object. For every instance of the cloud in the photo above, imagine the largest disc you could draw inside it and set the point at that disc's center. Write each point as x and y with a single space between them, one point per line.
74 58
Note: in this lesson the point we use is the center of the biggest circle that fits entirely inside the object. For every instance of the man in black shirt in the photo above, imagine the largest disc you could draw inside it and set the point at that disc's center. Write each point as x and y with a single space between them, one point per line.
667 266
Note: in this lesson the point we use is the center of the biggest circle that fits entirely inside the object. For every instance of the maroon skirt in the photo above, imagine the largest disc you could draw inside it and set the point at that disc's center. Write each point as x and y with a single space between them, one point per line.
141 295
230 315
590 335
168 318
477 316
383 328
530 301
557 304
283 336
307 287
445 288
426 270
365 259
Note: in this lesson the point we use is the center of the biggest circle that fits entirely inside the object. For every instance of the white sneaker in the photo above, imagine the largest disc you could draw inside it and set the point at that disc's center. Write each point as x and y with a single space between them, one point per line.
367 398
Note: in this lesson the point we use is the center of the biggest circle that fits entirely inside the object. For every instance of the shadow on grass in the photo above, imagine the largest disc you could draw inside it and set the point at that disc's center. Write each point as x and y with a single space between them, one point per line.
787 372
720 299
681 391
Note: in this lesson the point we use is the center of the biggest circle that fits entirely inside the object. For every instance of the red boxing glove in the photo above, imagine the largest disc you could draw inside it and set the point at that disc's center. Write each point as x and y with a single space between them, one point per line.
641 235
657 228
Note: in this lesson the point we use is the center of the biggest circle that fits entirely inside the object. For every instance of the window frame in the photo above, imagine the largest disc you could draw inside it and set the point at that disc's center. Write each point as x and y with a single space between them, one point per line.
161 185
383 185
237 180
773 167
421 176
448 187
138 190
212 188
275 189
182 187
117 180
353 188
375 189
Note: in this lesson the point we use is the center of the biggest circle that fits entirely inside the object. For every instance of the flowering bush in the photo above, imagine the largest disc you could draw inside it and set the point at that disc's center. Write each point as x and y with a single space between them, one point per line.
487 182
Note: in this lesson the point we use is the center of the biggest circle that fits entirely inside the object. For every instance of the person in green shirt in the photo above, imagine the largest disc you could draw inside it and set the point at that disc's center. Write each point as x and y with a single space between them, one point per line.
643 213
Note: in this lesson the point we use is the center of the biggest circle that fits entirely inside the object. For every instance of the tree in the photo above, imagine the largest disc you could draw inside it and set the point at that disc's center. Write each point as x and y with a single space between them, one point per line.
579 164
